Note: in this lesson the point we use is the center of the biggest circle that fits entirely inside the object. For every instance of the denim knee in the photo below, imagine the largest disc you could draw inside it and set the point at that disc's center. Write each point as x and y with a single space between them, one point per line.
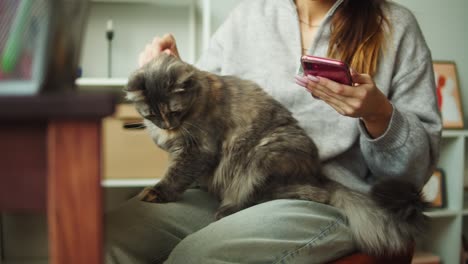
282 231
192 249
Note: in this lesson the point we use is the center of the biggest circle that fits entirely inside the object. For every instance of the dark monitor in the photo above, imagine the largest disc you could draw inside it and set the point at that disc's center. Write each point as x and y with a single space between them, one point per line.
39 42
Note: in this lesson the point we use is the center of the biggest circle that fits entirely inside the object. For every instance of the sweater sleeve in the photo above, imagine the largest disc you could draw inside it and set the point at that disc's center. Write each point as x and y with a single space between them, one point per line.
409 148
213 57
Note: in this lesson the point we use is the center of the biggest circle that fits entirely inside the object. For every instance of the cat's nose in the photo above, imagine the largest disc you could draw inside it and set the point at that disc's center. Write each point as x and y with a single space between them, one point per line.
162 125
167 127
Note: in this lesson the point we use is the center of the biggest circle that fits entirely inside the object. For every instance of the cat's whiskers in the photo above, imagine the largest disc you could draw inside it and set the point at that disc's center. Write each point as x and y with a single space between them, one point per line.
197 127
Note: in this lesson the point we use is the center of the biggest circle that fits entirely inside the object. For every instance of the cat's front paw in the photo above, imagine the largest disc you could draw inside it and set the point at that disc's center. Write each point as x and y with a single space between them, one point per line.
151 195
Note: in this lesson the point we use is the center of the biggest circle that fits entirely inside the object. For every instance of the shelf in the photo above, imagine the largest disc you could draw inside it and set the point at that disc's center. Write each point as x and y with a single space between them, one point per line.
454 133
441 213
101 82
125 183
157 2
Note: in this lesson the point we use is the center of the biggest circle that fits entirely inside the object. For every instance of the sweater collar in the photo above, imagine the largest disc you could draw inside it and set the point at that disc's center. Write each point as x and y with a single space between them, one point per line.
292 6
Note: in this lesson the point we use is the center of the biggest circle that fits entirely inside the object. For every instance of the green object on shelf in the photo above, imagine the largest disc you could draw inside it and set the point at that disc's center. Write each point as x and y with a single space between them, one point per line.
14 44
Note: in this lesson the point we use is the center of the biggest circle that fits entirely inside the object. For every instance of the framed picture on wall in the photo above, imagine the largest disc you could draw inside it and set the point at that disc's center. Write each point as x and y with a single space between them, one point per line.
434 190
448 94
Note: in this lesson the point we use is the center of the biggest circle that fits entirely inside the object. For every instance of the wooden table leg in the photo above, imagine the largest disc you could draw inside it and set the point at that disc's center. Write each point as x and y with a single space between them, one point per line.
74 201
1 238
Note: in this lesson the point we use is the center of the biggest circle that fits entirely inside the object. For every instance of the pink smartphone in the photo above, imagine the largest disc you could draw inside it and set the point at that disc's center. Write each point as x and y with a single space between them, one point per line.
334 70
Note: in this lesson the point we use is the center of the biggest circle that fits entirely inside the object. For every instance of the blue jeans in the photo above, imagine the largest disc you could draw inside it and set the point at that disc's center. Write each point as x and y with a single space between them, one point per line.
279 231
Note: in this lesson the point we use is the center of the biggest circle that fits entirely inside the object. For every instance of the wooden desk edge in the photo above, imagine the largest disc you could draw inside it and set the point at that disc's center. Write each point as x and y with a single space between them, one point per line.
57 106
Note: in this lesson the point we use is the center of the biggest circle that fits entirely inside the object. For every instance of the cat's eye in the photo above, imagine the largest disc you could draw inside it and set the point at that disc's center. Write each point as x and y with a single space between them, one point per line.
175 113
188 83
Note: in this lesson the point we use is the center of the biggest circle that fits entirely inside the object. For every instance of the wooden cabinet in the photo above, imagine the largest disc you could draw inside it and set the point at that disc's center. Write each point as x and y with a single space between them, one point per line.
130 153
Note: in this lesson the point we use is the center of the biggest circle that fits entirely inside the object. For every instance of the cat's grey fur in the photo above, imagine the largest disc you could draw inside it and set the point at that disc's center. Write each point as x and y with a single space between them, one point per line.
246 148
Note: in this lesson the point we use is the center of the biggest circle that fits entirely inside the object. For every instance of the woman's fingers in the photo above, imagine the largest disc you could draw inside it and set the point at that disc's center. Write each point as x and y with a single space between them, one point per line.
156 41
166 44
363 99
344 99
335 104
301 81
362 78
323 85
340 105
145 55
336 88
141 59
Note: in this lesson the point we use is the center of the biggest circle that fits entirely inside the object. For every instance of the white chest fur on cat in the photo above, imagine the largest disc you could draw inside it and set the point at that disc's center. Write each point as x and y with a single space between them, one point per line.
161 137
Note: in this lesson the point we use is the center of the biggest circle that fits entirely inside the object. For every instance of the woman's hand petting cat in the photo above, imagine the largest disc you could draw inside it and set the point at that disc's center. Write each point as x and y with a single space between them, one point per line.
363 100
166 43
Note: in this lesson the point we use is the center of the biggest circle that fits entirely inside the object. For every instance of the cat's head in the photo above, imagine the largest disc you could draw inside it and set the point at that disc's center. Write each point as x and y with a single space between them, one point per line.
164 91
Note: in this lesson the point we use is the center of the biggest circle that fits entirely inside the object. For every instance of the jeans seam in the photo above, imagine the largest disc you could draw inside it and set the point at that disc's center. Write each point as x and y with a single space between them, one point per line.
331 224
162 257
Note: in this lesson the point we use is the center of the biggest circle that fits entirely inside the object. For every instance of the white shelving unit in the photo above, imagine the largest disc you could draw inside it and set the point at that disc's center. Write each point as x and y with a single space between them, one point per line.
128 183
101 82
137 22
446 225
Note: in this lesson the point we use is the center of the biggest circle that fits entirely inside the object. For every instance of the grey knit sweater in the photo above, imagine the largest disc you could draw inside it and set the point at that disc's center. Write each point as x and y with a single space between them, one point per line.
260 41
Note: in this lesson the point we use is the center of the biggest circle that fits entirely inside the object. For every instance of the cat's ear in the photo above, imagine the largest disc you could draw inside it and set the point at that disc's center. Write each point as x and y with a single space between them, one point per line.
185 81
135 86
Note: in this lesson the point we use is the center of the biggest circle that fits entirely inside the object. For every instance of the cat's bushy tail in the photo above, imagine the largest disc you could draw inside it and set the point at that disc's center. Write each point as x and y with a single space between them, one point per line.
387 220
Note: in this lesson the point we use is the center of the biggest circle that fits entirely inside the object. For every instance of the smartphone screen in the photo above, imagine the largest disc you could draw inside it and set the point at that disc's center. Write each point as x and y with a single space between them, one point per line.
334 70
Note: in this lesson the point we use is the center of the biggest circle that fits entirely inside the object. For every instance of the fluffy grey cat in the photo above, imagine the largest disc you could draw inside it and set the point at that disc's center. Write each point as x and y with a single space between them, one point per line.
246 148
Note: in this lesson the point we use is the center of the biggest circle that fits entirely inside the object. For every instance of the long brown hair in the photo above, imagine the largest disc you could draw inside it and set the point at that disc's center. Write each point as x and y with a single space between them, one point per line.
358 34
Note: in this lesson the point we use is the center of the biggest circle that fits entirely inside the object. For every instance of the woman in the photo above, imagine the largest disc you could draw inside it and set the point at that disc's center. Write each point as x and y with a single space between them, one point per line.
385 125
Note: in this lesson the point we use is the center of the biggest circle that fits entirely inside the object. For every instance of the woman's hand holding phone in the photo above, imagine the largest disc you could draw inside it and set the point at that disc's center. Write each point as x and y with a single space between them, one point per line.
362 99
166 43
